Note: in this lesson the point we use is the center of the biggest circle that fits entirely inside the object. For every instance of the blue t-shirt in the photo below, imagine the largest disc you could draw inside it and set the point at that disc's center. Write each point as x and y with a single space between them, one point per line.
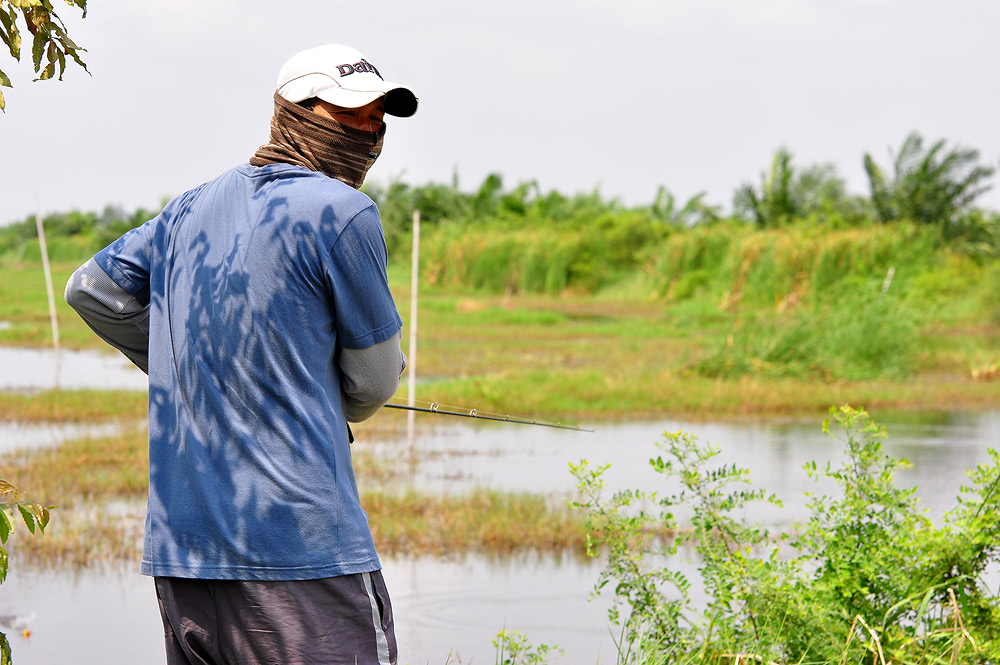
254 281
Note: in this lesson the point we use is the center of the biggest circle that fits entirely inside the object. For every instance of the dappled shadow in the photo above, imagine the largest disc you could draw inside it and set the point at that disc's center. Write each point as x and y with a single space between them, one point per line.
236 489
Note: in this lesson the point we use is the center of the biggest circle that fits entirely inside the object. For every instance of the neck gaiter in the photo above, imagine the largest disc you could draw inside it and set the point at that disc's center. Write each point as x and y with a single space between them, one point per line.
299 136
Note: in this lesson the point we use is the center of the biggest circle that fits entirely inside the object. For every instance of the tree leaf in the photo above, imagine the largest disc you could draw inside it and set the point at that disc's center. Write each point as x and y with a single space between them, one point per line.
47 73
4 644
6 525
14 37
3 103
28 517
5 24
38 48
41 515
8 491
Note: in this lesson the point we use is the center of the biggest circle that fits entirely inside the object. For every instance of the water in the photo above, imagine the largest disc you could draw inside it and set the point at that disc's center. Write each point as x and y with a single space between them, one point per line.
533 459
448 610
452 608
443 609
35 369
30 436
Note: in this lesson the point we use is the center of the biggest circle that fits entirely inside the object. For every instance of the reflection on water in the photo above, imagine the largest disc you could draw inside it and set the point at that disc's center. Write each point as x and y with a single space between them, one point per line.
35 369
440 608
533 459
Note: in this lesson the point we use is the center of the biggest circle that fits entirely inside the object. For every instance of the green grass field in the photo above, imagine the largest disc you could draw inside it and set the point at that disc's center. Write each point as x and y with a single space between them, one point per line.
615 354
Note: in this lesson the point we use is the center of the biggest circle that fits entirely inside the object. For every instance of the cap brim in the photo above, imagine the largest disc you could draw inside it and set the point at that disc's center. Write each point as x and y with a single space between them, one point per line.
399 101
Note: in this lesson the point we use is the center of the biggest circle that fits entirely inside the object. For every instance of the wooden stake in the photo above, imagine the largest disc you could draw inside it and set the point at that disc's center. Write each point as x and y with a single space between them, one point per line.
48 284
411 365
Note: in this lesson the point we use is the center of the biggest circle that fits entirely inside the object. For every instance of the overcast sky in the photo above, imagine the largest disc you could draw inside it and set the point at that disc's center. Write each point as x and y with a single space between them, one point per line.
695 95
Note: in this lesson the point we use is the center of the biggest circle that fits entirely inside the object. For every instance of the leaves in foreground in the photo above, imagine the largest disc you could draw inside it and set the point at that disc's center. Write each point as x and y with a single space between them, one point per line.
867 578
35 517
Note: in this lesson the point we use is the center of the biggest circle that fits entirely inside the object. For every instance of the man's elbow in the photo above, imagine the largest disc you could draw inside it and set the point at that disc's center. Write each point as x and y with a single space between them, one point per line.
73 294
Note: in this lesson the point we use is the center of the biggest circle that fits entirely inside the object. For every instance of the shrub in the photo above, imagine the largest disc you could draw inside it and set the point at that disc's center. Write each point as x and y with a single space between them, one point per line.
868 577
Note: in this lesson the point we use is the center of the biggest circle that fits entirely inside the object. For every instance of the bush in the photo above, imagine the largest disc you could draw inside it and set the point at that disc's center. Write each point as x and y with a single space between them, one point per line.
868 578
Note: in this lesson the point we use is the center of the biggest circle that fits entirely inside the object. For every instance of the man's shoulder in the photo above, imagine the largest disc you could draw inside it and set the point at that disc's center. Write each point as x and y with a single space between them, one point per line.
305 189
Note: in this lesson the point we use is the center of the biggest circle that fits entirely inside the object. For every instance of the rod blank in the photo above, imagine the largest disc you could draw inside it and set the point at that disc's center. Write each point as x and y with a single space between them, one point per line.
473 413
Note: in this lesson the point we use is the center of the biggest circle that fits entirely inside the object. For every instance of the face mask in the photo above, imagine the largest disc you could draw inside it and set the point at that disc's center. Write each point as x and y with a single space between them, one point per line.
299 136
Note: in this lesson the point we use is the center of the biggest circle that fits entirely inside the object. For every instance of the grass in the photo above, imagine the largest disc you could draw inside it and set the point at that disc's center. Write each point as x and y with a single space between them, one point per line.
73 406
100 487
605 356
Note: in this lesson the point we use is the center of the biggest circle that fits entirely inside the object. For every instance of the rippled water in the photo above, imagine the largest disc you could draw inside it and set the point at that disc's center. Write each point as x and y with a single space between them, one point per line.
443 609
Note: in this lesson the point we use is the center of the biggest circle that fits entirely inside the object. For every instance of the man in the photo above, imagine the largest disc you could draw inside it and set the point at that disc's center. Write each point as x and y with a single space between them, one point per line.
259 306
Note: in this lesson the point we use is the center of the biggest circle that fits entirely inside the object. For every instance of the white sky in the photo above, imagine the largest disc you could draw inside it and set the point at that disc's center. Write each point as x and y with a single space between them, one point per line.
626 95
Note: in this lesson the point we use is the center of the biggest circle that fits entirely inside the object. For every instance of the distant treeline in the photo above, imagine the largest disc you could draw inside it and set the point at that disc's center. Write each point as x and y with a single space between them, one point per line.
795 233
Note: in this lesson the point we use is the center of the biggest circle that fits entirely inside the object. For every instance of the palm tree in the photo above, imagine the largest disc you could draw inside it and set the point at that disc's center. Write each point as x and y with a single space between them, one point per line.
694 211
929 185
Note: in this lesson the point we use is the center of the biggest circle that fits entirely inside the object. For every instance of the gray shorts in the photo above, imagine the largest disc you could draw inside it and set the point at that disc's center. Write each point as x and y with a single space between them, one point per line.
344 619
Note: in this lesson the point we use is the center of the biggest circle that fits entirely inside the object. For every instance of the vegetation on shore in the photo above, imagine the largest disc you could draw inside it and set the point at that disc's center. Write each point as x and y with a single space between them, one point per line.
576 306
866 578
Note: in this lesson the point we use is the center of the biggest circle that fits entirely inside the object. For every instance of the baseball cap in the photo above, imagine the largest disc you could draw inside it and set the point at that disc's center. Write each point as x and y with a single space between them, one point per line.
341 75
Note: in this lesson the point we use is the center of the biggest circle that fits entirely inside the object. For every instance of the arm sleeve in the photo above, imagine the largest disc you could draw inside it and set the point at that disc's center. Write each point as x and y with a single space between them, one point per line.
369 377
114 314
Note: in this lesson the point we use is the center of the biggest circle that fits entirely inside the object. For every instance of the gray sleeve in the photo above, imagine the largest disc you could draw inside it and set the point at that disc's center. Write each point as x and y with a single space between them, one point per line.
369 377
114 314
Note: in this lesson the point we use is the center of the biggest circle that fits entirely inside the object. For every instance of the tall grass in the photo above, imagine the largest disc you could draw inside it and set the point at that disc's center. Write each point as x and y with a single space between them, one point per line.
540 255
781 267
858 334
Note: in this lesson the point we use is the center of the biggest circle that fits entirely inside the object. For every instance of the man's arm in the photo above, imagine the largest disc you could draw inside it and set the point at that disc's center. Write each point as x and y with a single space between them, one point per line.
114 314
369 377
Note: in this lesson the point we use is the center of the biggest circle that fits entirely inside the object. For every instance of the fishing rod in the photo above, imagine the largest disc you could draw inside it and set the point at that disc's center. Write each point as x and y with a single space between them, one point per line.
474 413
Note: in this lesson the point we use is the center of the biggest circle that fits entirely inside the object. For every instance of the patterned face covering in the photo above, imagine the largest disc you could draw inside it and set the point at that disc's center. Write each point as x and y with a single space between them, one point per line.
299 136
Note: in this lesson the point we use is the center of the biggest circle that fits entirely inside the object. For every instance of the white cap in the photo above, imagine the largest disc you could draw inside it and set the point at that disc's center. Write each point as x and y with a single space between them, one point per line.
341 75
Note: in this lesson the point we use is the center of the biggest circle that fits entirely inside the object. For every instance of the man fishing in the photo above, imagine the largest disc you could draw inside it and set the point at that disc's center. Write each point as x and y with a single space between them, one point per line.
258 305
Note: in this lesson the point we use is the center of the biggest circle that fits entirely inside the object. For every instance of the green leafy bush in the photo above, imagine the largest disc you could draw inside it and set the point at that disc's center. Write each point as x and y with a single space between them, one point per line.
867 578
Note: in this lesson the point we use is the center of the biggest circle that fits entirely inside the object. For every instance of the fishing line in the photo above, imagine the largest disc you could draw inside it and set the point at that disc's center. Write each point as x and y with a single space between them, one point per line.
462 412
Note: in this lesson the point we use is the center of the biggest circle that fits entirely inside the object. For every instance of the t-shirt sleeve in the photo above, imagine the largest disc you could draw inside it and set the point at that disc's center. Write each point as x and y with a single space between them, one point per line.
127 261
365 311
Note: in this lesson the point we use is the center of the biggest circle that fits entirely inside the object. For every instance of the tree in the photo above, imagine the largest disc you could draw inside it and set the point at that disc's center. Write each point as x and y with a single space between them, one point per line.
788 194
931 185
694 211
49 42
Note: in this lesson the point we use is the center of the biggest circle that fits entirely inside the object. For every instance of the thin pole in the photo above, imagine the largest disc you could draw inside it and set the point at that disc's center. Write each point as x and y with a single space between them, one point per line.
411 365
48 283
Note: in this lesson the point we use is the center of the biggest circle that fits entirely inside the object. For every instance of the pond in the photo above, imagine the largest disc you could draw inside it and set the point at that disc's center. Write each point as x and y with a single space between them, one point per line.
448 610
443 609
456 458
456 606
